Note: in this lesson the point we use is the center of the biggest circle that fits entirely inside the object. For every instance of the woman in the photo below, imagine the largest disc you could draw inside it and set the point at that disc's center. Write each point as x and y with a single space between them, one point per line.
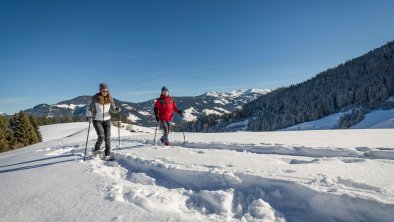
164 108
100 107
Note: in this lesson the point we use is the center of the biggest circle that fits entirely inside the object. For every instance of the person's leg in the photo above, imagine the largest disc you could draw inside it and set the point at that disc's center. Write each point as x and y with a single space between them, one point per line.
107 133
166 130
98 126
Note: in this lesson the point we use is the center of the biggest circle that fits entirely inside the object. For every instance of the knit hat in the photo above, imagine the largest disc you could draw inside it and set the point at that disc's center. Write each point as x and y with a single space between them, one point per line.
103 86
164 89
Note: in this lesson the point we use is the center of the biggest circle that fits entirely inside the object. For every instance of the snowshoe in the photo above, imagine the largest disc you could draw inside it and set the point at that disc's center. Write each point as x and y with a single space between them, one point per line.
96 153
109 158
167 143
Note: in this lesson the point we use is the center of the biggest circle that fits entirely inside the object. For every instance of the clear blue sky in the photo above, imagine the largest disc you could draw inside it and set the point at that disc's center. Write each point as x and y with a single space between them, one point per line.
55 50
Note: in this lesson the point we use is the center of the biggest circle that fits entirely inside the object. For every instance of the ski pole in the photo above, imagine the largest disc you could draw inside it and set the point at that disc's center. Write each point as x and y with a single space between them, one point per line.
154 140
183 130
87 138
119 128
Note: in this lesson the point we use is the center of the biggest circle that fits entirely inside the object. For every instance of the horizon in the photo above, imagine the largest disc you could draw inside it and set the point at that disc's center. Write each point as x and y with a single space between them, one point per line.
133 101
194 47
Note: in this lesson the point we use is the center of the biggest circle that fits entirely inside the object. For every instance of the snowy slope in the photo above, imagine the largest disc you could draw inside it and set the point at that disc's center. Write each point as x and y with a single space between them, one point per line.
379 119
324 123
336 175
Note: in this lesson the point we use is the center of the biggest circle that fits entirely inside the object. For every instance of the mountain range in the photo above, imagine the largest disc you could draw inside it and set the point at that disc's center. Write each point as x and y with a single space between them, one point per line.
142 113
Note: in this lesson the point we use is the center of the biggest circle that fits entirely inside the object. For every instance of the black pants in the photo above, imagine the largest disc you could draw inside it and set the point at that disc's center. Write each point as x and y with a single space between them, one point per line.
103 130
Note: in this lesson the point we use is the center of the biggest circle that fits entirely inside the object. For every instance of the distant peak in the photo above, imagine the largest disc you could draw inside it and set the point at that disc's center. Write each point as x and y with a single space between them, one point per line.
3 114
237 93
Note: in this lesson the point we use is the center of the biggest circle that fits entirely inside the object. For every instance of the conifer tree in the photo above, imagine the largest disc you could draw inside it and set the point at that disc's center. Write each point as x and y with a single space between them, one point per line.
34 123
23 130
3 139
11 141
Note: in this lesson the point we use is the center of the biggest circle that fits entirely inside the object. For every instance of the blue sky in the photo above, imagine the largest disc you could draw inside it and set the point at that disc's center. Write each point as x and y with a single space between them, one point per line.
56 50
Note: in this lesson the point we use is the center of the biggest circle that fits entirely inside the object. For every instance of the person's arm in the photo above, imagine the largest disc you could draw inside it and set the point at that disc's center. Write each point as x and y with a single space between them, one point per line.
113 108
156 109
175 109
90 108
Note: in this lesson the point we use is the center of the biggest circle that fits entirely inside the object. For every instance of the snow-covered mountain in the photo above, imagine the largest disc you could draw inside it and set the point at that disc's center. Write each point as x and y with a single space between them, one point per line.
217 102
3 114
142 113
336 175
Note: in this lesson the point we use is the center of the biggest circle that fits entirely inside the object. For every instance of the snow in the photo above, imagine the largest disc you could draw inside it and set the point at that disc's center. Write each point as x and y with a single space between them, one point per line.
127 107
383 119
238 93
243 125
324 123
222 110
133 118
209 112
71 106
64 130
140 129
377 119
221 101
391 99
188 114
319 175
144 113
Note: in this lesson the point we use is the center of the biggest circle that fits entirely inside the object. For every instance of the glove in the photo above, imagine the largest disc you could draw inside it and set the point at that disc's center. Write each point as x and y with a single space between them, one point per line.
157 118
88 115
117 109
180 112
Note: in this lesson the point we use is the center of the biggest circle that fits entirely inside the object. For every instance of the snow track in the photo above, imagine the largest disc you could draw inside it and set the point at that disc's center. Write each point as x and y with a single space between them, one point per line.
235 195
281 149
220 193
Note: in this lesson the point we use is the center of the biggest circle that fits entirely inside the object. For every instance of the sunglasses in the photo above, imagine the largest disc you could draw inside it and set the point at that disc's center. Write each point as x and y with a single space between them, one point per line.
104 91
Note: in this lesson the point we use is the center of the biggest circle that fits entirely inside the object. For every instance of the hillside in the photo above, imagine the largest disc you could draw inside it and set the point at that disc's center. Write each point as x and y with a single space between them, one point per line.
359 85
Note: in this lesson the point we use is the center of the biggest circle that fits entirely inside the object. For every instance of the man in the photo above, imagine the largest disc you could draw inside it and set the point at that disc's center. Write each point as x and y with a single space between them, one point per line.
165 107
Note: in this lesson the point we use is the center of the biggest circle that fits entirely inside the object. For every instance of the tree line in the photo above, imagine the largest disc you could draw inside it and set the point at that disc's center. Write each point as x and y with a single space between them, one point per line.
22 130
360 85
18 131
41 120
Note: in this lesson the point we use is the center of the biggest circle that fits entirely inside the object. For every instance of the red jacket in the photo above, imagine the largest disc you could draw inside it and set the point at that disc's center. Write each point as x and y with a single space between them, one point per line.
165 108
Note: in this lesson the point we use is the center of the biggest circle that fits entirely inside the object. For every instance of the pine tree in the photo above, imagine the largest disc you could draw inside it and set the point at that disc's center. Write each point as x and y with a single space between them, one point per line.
3 137
11 135
23 130
11 141
34 123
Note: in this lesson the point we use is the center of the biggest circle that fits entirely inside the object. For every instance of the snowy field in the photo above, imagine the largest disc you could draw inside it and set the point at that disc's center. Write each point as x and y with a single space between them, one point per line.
319 175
